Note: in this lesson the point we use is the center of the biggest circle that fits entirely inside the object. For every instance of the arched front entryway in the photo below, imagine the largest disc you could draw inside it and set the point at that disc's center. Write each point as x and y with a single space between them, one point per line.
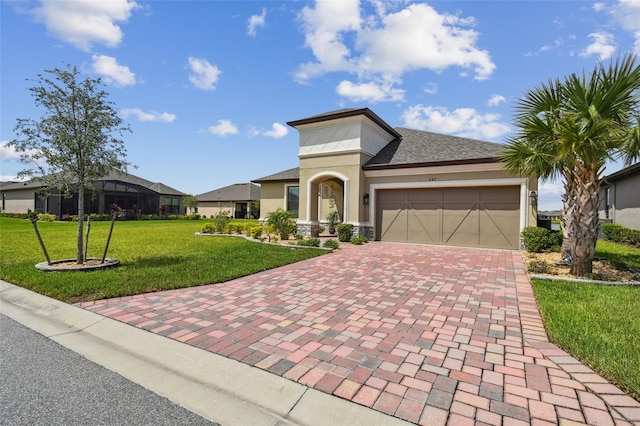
327 192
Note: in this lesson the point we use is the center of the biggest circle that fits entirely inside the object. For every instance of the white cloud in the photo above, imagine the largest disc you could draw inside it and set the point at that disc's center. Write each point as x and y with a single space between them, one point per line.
465 122
626 13
203 75
277 131
85 22
256 21
8 152
550 195
557 43
496 100
148 116
385 46
598 7
432 88
602 45
224 127
112 72
12 178
369 92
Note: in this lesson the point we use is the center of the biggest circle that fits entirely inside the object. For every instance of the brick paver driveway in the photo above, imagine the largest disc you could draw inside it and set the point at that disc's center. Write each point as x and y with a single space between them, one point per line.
433 335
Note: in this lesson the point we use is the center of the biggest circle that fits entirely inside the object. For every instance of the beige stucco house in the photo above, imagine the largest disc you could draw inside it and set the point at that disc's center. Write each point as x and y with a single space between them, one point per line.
240 201
398 184
620 197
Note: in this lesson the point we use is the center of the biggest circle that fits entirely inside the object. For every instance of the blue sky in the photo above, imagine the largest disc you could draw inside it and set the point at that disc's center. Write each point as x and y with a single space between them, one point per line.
208 86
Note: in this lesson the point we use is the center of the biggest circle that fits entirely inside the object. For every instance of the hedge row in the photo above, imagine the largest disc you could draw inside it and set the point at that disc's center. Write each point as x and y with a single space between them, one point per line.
537 240
621 234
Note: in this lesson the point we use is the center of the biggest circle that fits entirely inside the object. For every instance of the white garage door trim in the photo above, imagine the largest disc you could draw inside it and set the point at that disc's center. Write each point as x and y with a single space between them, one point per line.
522 182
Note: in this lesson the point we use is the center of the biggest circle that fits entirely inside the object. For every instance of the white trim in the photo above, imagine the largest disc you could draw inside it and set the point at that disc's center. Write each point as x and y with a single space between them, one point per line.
522 182
480 167
345 201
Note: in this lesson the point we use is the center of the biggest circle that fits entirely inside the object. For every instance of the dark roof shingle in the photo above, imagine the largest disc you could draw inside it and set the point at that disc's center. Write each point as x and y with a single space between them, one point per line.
284 176
235 192
418 147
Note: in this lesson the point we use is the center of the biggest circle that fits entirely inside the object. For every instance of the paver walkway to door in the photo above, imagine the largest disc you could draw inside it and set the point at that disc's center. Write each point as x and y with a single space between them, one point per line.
433 335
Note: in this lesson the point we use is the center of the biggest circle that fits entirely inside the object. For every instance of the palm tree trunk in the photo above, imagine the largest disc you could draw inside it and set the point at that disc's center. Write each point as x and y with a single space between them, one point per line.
585 221
568 210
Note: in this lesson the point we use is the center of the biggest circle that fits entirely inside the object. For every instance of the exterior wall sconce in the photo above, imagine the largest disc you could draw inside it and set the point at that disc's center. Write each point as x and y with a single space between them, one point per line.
365 199
533 198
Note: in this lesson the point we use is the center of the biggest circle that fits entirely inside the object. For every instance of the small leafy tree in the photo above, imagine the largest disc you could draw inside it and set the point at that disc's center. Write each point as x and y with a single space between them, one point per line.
220 221
282 222
76 141
190 202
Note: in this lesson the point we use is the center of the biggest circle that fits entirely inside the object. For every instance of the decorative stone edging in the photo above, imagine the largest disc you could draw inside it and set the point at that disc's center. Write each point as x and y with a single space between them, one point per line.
200 234
581 280
46 267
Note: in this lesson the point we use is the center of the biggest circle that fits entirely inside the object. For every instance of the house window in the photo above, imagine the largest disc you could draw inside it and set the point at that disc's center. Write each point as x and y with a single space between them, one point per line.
292 200
172 204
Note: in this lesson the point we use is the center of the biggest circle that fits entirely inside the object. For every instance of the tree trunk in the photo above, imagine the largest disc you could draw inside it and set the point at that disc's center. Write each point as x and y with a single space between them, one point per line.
80 251
568 211
585 223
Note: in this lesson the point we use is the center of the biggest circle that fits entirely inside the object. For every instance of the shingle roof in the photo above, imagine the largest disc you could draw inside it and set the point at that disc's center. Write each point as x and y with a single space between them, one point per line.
420 148
284 176
236 192
114 175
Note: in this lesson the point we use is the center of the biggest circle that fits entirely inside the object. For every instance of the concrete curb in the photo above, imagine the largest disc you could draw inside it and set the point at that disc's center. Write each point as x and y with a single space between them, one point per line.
217 388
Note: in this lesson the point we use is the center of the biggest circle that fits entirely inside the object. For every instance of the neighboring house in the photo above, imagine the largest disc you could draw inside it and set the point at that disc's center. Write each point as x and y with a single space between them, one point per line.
241 201
620 197
129 192
398 184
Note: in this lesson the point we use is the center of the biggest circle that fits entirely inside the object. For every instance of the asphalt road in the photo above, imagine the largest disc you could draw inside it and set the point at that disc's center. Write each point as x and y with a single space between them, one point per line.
43 383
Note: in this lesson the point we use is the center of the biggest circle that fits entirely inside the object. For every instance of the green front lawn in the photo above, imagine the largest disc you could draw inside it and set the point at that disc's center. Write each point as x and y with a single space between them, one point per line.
619 253
154 256
600 325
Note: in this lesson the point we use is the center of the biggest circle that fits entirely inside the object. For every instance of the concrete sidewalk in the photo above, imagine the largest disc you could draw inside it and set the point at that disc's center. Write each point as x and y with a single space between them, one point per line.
212 386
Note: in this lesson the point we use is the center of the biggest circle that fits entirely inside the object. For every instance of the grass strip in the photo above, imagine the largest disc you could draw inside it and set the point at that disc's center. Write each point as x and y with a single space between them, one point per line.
154 256
598 324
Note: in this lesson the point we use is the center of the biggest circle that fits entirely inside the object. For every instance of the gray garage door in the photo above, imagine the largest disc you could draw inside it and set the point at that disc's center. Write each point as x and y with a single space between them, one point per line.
471 217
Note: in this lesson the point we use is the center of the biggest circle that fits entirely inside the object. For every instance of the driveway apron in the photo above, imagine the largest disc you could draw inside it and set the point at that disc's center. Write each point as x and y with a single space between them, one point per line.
430 334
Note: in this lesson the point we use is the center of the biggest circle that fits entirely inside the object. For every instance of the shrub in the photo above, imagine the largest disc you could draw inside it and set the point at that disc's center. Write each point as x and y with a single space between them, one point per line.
332 244
282 223
256 231
220 221
208 228
535 239
539 267
308 242
634 237
15 215
192 216
46 217
613 232
345 232
358 241
333 217
620 234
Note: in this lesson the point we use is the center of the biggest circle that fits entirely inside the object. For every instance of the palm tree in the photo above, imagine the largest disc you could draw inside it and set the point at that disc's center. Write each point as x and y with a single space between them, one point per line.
571 128
535 149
